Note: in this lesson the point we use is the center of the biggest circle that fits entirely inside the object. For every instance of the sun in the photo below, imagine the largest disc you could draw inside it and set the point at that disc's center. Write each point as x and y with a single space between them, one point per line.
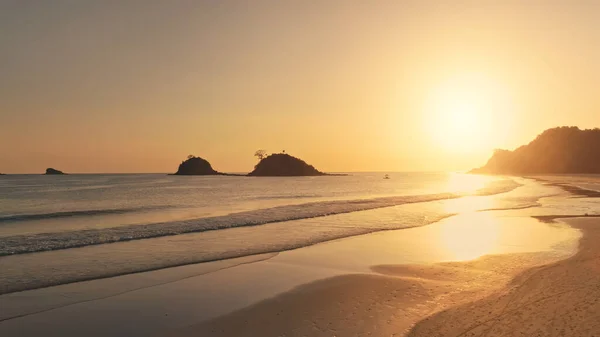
460 115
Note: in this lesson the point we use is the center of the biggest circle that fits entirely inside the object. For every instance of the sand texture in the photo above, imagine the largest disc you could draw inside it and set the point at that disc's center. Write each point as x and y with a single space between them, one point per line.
492 296
560 299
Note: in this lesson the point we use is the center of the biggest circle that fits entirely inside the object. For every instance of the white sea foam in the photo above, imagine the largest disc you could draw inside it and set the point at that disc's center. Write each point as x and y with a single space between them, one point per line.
29 243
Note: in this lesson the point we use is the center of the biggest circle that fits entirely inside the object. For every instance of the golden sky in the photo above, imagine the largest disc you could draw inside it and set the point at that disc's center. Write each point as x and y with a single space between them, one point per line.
136 86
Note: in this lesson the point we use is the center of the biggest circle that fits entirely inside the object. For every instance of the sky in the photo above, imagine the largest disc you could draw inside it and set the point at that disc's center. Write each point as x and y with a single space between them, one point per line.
136 86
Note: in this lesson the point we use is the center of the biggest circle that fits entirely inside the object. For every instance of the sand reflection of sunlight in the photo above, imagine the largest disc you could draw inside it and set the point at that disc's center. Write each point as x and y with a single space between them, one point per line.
469 236
466 183
469 204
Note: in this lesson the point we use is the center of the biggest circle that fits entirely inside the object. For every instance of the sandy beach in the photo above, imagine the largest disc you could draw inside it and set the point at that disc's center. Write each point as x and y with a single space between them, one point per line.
560 299
490 296
495 269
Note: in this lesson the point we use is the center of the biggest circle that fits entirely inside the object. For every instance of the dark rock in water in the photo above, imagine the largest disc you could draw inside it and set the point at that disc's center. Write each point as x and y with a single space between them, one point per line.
562 150
196 166
281 164
53 171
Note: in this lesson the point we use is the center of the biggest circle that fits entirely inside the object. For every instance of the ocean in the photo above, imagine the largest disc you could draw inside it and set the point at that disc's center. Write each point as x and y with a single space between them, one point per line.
62 229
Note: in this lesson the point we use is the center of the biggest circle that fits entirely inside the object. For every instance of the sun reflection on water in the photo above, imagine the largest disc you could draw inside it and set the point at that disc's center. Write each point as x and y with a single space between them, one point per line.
466 183
471 236
470 204
472 233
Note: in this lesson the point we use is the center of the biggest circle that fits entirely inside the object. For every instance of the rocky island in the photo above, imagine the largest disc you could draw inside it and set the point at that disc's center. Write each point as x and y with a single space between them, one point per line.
196 166
274 165
50 171
282 165
561 150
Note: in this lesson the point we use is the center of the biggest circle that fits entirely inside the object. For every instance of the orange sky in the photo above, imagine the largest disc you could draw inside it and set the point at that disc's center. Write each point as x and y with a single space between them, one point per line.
346 85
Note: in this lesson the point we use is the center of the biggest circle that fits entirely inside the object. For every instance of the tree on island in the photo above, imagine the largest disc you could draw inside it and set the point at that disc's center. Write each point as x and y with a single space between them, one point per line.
281 165
260 154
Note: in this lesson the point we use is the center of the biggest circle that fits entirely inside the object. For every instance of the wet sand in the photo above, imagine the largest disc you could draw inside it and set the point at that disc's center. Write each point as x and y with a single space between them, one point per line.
388 304
500 295
560 299
381 282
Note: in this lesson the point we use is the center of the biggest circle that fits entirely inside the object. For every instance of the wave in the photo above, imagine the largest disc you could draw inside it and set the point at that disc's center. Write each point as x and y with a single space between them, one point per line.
100 262
291 196
97 262
30 243
66 214
497 187
20 244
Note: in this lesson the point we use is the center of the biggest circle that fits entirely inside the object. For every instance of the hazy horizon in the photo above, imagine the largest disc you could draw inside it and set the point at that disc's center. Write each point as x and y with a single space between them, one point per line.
347 86
232 172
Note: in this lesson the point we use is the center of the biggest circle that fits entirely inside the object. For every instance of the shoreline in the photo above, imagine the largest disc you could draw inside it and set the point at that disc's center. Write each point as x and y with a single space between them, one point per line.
390 303
57 241
62 259
101 307
117 285
394 301
486 296
340 287
49 241
557 299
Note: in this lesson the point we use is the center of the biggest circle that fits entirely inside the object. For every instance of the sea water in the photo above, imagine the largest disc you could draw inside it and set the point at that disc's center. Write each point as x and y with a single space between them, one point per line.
61 229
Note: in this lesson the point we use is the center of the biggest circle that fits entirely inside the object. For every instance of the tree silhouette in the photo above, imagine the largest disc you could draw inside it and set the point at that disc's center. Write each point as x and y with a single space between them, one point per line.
283 165
260 154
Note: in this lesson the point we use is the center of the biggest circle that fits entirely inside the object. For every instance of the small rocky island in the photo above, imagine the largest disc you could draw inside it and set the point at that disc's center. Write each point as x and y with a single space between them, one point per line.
274 165
283 165
50 171
196 166
561 150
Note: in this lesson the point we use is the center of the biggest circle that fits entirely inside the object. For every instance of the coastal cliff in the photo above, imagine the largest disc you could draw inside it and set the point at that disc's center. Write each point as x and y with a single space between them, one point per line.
561 150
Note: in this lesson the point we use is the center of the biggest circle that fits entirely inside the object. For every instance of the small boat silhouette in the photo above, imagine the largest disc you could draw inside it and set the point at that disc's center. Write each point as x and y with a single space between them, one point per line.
387 176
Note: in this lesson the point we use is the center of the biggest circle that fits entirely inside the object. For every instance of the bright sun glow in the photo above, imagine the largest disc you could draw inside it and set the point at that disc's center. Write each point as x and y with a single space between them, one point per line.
475 235
461 113
466 183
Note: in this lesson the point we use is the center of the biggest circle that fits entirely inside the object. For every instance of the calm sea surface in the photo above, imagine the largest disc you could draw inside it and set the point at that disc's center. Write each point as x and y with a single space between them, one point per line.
60 229
39 204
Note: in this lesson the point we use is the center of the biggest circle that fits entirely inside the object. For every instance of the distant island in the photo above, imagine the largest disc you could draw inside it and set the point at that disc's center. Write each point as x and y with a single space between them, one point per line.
561 150
274 165
196 166
53 171
283 165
